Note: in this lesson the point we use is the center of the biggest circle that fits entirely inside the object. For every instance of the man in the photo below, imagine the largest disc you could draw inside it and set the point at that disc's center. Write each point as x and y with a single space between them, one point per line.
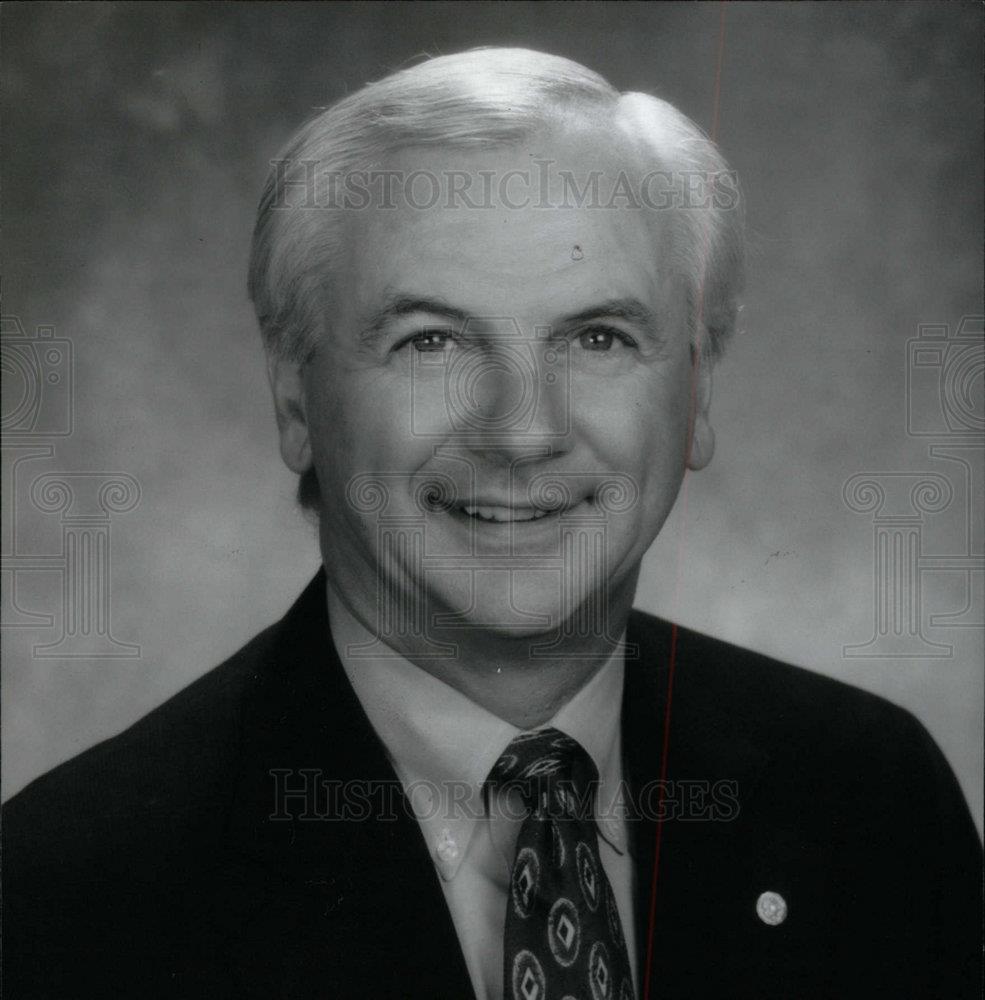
491 291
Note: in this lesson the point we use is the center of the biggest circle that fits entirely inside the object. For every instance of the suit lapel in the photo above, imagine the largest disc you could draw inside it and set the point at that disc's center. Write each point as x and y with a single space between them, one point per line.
677 857
341 898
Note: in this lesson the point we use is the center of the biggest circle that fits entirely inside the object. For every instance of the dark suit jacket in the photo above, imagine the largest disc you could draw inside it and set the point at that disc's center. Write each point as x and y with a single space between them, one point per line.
149 866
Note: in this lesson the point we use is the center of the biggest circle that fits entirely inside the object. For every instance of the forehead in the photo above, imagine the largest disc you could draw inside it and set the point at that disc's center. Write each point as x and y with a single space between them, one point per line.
505 234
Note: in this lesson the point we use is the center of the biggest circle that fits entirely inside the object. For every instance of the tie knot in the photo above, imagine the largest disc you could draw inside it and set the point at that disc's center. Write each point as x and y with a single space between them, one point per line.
552 772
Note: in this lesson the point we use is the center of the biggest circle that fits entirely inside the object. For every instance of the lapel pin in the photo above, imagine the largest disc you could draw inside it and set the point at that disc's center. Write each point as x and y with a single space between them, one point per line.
771 908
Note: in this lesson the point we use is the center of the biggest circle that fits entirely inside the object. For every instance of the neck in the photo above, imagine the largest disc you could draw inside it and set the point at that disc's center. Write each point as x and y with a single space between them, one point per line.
503 673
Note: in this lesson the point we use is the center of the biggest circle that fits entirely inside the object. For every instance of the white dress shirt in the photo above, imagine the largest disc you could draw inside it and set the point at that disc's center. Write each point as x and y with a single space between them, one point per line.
442 746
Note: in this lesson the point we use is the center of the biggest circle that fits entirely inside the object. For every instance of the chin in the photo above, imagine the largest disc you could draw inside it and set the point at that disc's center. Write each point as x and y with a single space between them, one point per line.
521 604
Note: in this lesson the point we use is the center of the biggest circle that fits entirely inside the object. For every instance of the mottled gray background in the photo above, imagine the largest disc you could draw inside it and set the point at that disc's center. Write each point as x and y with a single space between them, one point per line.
136 140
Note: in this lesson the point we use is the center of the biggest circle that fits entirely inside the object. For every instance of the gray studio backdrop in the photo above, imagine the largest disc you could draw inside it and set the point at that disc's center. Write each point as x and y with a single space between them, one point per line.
141 474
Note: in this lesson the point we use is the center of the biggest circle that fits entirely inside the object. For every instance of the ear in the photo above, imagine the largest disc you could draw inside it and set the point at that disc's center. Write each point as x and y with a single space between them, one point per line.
702 444
287 385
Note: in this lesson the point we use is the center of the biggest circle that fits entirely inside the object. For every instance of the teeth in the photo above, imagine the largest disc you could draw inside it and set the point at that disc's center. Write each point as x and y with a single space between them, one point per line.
484 513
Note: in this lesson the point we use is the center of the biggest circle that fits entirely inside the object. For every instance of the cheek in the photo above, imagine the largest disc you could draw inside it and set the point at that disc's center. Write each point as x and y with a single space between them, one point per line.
639 432
363 425
638 425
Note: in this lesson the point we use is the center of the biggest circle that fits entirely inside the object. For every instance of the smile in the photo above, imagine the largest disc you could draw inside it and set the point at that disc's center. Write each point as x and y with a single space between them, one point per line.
504 513
499 514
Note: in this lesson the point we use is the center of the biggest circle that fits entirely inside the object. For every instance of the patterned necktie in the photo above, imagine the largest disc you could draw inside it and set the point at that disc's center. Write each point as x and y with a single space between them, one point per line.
563 935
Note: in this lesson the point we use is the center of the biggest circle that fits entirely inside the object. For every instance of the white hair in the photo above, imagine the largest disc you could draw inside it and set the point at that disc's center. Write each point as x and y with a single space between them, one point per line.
479 98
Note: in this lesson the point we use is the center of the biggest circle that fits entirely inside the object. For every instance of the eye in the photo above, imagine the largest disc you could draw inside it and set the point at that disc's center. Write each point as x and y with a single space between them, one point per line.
602 338
431 340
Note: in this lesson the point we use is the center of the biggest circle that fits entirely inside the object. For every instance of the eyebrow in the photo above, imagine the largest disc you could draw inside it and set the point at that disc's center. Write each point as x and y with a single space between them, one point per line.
628 309
406 305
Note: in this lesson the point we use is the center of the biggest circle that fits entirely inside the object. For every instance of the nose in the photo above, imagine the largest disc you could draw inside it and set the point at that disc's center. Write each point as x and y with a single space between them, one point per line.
513 400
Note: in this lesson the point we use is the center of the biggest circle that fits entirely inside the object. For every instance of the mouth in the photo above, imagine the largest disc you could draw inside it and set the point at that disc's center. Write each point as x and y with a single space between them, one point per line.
505 514
495 514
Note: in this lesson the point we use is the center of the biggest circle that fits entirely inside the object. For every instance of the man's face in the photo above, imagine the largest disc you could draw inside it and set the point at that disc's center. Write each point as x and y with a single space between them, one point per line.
497 410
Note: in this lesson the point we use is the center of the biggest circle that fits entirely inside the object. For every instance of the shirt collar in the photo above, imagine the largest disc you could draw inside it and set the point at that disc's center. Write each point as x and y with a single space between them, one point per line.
443 745
593 718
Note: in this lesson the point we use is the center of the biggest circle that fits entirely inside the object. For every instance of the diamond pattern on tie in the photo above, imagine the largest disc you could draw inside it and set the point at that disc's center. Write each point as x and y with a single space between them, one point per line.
563 935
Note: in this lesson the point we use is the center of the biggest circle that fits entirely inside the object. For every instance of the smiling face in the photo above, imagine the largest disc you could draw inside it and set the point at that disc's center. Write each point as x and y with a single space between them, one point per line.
498 407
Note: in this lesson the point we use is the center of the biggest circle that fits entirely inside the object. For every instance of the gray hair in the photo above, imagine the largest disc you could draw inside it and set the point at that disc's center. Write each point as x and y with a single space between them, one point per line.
479 98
